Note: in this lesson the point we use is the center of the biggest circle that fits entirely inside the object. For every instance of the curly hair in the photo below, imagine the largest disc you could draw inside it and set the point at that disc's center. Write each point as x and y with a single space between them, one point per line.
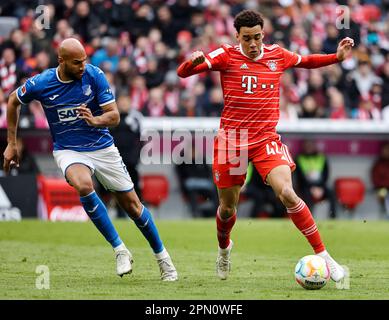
248 18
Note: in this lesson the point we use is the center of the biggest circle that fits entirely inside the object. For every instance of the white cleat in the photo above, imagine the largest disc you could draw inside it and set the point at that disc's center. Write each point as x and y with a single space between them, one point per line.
123 262
167 269
337 273
223 262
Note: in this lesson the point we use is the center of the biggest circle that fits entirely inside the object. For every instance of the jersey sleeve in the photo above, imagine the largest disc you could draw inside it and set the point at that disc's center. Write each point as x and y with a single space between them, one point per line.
29 90
104 91
218 59
291 59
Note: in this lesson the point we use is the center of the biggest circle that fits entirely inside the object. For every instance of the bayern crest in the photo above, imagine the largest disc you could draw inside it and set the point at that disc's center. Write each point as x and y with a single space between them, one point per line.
272 65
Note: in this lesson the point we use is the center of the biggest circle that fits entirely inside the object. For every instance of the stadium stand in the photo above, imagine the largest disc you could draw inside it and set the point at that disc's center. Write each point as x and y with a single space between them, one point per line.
139 42
139 45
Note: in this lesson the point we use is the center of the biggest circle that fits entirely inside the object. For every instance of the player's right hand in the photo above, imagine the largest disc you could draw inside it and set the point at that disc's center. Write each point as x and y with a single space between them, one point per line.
197 57
86 114
11 158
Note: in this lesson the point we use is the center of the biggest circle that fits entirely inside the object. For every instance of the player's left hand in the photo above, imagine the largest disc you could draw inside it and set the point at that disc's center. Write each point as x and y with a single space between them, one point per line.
344 48
86 114
11 158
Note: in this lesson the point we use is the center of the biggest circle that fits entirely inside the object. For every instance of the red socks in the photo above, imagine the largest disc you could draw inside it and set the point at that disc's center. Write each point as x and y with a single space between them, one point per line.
302 218
300 215
224 229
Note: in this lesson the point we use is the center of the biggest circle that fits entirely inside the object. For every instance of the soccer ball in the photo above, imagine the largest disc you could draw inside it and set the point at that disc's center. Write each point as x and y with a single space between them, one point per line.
312 272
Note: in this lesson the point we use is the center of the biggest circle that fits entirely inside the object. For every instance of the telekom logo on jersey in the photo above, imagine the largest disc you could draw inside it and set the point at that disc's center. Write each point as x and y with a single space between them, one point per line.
249 82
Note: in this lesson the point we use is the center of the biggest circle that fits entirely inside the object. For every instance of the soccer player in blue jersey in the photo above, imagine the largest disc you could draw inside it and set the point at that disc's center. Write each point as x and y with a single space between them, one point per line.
79 106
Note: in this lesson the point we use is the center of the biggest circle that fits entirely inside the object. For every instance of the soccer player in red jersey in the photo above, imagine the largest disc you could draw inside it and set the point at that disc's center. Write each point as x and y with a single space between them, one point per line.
250 75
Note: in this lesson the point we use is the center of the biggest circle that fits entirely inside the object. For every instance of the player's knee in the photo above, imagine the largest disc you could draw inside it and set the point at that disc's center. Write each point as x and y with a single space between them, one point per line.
83 187
287 196
226 210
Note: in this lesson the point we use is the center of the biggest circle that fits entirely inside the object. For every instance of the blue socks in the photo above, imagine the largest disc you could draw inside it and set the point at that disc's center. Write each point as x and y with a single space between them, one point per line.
146 225
97 212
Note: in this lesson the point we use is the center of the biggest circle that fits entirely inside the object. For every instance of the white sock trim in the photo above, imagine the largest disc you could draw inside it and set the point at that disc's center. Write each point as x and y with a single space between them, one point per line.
88 194
300 205
162 255
226 250
324 253
141 212
120 247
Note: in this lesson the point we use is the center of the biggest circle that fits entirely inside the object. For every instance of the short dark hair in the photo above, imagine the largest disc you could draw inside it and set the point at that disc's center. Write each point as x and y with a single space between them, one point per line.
248 18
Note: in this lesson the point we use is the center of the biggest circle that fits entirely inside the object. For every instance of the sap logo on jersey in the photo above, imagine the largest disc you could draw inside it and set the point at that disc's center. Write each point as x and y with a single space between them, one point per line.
68 114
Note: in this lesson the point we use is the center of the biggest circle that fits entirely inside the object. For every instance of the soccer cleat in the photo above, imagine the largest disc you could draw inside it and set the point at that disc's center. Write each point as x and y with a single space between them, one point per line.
167 269
337 273
124 262
223 262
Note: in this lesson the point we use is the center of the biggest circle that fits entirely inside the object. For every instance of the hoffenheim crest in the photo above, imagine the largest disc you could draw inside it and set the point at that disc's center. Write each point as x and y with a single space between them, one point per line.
272 65
87 90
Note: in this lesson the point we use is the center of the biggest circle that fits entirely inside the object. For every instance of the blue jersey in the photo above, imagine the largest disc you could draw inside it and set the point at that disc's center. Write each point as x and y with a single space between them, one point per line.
60 101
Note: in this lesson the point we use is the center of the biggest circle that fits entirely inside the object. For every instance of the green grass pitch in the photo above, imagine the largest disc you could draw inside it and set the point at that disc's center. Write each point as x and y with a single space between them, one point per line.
82 266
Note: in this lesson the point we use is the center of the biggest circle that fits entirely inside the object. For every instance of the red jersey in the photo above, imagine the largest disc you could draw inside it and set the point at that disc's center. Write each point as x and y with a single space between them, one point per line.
251 88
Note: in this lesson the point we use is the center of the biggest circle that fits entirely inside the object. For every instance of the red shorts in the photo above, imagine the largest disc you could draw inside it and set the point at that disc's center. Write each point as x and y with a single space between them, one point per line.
230 168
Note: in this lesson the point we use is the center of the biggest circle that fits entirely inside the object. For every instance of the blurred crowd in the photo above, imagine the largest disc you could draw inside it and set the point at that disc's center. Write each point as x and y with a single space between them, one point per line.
139 45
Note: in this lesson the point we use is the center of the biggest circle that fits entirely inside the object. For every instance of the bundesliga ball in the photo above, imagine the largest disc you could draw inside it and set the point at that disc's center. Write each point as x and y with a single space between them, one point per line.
312 272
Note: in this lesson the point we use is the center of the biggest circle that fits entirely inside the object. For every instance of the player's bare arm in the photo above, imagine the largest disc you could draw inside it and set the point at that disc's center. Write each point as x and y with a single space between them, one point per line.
11 157
110 117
